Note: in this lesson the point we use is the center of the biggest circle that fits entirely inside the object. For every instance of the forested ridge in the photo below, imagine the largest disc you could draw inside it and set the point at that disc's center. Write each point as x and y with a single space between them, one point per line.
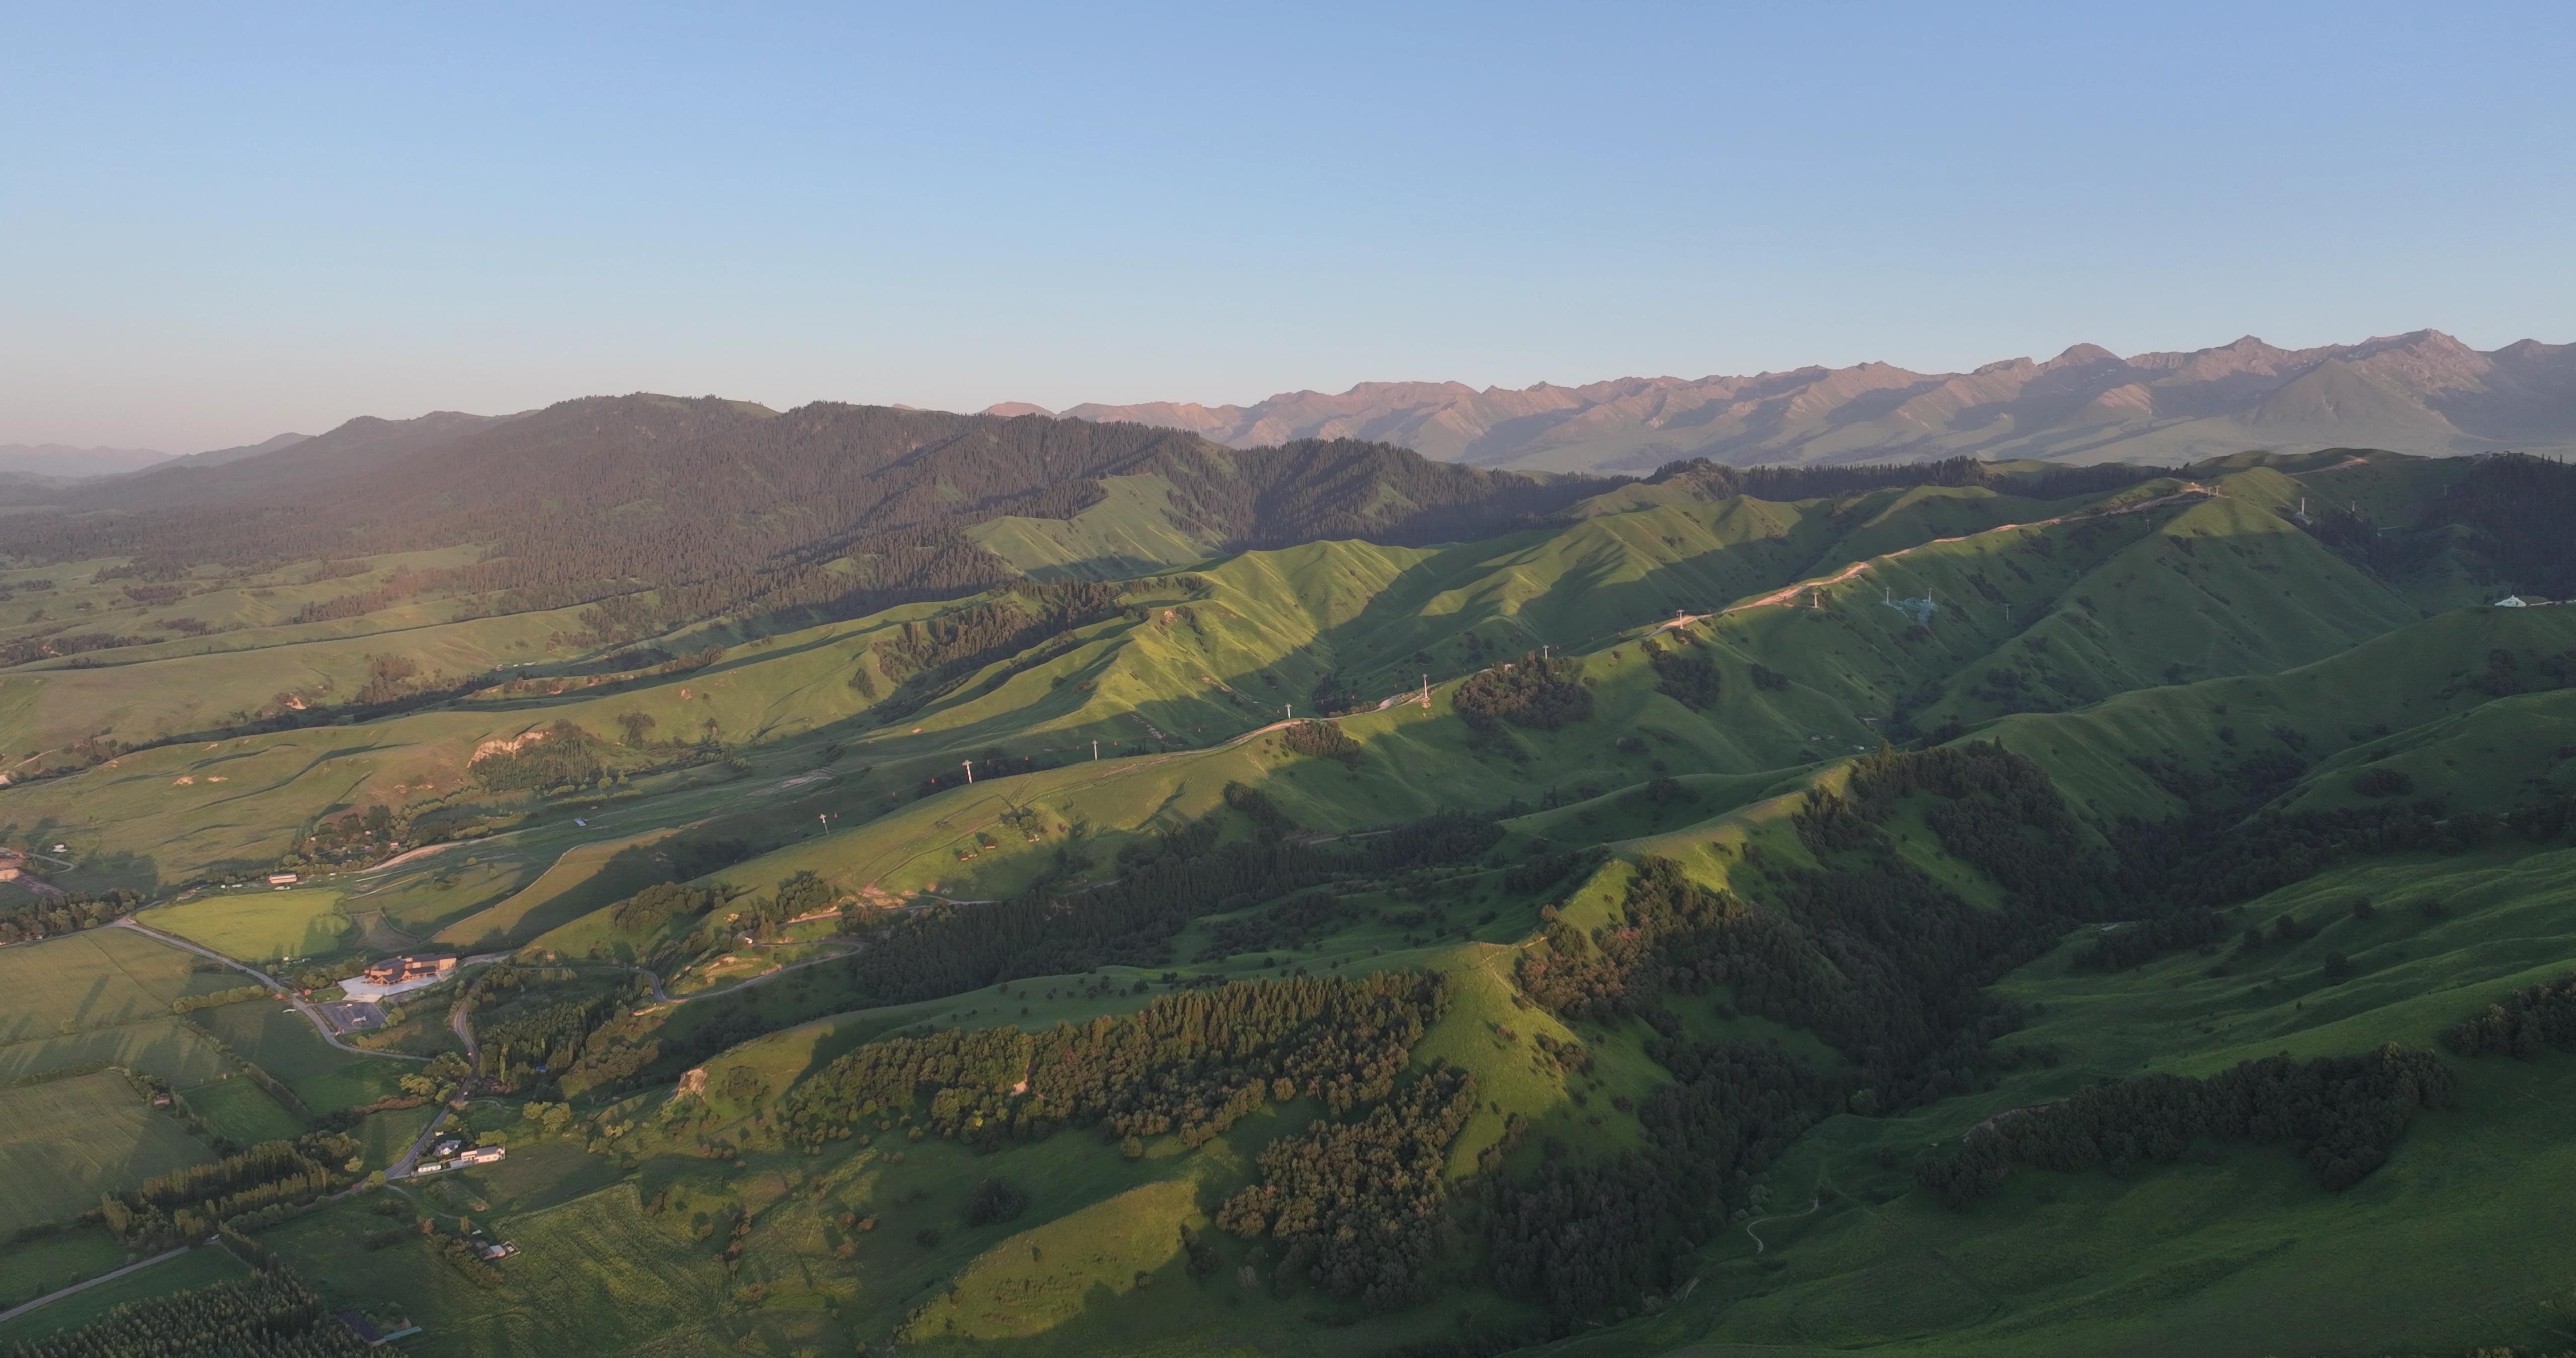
1191 1064
2345 1114
694 508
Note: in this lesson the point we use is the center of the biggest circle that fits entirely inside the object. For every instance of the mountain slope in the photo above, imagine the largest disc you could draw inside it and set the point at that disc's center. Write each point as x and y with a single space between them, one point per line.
2423 392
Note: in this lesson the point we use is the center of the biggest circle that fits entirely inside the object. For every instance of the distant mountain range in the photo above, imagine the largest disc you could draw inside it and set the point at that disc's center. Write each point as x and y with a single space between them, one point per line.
2419 393
62 460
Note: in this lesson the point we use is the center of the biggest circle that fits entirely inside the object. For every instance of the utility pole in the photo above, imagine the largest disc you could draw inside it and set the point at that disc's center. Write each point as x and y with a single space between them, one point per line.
970 771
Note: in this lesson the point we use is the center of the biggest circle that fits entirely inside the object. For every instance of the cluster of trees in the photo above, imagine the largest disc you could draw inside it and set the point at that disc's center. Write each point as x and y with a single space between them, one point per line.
271 1314
53 643
2521 1023
1321 740
2209 860
1183 875
1542 867
2519 507
1690 680
931 656
2345 1113
1584 1239
566 755
187 1204
655 905
1877 961
1357 1207
1996 811
1295 922
2135 944
1192 1063
994 1201
548 1038
1542 693
68 913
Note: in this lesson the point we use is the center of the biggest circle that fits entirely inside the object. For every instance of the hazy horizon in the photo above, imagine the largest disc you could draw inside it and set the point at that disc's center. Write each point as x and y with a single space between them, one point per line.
230 226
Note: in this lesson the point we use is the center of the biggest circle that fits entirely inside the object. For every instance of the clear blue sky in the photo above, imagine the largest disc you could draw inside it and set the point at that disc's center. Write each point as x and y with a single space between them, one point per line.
217 222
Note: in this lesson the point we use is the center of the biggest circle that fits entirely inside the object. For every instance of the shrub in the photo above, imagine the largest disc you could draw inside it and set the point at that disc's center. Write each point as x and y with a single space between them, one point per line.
996 1200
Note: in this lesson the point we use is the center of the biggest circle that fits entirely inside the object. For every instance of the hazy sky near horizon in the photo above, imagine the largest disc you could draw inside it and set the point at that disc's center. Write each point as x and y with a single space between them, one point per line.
220 222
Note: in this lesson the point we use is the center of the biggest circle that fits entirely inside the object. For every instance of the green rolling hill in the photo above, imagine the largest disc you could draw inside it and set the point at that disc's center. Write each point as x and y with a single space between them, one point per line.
1950 909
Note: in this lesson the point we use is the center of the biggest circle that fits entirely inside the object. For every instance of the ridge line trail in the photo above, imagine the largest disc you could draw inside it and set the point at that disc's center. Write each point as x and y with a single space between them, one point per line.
2190 492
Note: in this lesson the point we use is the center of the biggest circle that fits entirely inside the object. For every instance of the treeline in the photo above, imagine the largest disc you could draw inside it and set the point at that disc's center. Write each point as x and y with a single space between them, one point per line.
1357 1207
1690 680
2345 1113
2208 860
1865 951
2136 944
1191 1063
2521 1023
697 508
2518 506
1541 693
566 754
1997 812
1878 962
929 657
269 1315
1321 740
1162 887
1586 1239
549 1038
69 913
188 1204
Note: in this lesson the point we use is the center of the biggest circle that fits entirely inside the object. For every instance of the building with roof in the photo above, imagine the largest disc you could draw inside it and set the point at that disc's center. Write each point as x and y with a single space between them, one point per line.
405 970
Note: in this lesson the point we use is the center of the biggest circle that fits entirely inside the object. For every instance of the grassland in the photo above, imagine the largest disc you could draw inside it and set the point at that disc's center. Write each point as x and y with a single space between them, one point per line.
100 978
2131 644
73 1139
593 1275
280 1040
241 1112
260 925
32 1268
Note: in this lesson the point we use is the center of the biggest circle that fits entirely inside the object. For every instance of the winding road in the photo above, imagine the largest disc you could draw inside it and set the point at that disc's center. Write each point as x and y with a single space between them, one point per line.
660 996
302 1006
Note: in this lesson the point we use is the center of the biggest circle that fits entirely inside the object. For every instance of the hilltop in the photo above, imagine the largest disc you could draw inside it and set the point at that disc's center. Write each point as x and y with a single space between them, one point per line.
2423 392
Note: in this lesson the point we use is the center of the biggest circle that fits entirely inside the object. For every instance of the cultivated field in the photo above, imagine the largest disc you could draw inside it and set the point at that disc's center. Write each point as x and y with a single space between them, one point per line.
73 1139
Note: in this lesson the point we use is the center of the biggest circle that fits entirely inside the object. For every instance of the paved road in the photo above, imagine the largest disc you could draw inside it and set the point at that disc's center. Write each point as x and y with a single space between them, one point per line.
320 1024
59 1293
402 1168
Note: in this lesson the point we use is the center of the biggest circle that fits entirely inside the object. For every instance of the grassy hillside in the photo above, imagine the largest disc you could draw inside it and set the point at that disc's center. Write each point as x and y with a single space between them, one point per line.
1767 890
